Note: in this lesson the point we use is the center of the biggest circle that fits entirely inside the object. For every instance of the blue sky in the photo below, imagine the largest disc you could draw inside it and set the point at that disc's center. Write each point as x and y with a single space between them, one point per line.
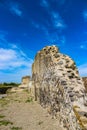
27 26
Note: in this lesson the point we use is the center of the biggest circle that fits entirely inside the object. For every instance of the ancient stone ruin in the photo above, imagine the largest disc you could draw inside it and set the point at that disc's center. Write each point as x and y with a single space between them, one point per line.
85 82
25 81
25 84
59 88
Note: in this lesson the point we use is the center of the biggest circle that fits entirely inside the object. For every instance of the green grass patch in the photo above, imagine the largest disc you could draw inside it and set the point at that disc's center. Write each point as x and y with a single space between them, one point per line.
3 102
2 116
29 99
5 122
16 128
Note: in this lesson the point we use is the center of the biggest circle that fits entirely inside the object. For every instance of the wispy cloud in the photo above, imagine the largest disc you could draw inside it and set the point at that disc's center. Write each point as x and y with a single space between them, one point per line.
85 15
12 59
57 26
2 36
44 3
83 69
57 20
40 27
52 37
14 62
14 76
53 26
15 9
63 40
36 25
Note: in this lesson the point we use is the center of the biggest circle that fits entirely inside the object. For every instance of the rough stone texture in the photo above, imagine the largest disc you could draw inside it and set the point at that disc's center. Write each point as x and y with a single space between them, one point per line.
59 88
31 89
85 82
25 82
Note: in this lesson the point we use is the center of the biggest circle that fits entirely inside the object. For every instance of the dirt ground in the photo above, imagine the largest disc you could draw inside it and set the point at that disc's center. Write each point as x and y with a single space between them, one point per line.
19 112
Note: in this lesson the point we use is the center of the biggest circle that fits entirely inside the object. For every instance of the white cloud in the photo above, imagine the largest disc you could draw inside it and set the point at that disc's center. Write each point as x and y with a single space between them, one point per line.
83 69
12 59
14 62
7 54
85 15
14 8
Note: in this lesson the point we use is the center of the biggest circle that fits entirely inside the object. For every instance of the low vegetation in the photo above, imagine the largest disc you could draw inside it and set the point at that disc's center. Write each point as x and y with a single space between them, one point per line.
5 122
3 102
16 128
2 116
30 99
5 87
9 84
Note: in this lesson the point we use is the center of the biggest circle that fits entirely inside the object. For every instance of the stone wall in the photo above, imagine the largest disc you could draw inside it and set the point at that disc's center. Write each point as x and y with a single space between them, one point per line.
25 82
59 88
25 79
85 82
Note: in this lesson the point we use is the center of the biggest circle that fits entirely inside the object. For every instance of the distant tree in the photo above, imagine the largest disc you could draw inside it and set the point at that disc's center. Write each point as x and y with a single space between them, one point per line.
5 84
10 84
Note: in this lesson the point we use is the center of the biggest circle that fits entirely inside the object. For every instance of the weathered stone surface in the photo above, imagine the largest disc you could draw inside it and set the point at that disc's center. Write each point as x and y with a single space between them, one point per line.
59 88
85 82
25 82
